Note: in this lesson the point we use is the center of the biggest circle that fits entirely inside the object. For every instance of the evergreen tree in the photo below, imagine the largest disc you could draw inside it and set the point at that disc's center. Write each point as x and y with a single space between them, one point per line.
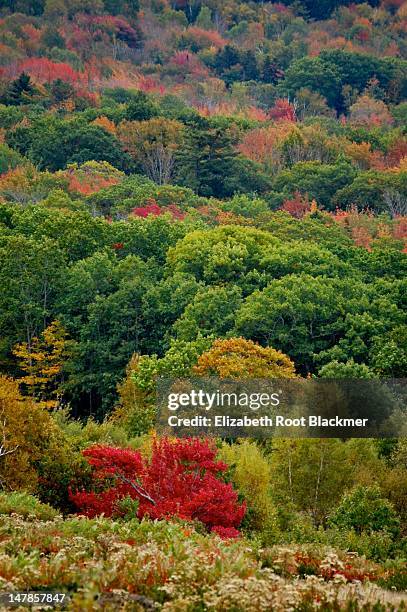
19 90
226 58
270 72
250 68
205 160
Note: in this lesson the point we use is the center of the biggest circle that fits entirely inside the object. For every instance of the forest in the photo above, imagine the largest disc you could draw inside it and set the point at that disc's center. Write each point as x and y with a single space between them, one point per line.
198 188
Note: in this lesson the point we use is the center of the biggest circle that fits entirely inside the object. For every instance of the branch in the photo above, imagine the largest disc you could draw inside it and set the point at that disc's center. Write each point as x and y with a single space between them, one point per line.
137 488
3 451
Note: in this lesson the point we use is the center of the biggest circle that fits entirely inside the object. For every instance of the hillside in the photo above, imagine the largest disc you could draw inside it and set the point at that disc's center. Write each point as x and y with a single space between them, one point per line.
213 189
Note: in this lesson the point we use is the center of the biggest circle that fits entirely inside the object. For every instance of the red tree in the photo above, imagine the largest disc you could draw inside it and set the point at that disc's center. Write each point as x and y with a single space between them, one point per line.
282 110
298 206
152 208
181 479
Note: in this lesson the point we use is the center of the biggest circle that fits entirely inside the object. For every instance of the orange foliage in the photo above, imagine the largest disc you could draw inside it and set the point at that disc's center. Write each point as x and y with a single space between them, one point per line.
241 358
400 231
361 237
282 110
368 111
150 85
106 124
364 227
45 71
363 156
207 38
298 206
396 152
91 177
260 145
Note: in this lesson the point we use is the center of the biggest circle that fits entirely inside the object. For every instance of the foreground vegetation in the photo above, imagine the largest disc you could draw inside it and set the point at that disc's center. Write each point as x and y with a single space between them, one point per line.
134 565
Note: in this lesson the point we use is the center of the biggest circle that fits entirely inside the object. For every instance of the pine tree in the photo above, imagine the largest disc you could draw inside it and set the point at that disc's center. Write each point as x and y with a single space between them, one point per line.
19 90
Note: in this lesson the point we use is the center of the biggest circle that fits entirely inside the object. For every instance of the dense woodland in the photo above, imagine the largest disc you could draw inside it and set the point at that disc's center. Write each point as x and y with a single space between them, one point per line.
207 188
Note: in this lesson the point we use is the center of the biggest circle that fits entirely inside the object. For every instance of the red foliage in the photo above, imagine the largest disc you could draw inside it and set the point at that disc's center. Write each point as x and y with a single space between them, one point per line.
181 479
226 533
150 85
311 565
397 151
45 70
152 208
209 38
297 207
279 7
282 110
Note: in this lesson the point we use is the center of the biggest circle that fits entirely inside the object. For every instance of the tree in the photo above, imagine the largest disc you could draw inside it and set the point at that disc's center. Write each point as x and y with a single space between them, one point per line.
212 311
9 158
250 68
323 9
52 143
204 19
311 475
108 326
365 509
282 110
61 91
348 370
205 159
270 72
26 306
375 190
310 104
19 91
316 75
28 430
285 315
239 358
140 108
358 69
92 176
319 181
368 111
153 144
42 360
181 479
298 206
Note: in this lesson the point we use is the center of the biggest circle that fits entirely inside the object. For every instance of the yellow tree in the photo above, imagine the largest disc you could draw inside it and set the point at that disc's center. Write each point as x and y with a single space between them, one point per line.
42 360
241 358
152 144
25 426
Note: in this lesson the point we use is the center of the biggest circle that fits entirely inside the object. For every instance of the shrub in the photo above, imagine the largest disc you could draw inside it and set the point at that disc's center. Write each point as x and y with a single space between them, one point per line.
25 505
181 479
364 509
250 473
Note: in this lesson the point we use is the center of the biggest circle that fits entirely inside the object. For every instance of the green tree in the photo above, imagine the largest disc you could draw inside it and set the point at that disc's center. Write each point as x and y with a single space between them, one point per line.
27 307
9 158
317 75
205 159
320 181
365 509
19 91
140 107
301 315
311 475
212 311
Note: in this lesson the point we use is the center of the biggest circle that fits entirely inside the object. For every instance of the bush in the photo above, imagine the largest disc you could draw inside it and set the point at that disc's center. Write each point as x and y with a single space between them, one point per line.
25 505
182 479
364 509
250 473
